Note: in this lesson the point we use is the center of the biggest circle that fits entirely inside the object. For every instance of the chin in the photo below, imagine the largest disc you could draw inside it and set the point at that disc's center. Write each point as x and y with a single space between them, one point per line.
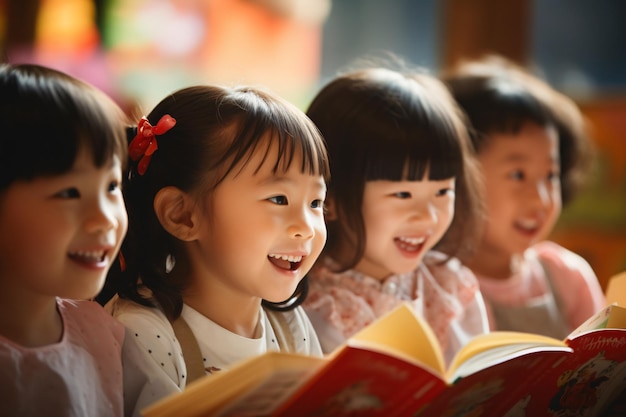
408 268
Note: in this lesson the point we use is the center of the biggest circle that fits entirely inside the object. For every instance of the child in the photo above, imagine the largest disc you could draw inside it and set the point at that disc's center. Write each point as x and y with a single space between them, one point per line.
62 221
401 164
530 145
225 199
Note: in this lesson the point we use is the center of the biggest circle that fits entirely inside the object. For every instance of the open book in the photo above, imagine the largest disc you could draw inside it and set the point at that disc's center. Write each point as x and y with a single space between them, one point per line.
395 367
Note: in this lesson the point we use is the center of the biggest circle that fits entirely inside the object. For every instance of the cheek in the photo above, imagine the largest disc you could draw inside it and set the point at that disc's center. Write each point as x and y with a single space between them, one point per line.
122 221
449 213
375 215
556 199
319 241
498 203
320 230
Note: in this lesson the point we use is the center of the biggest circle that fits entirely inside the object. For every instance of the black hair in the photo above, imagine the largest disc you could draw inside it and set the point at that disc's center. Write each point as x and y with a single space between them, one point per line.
499 96
46 116
383 124
217 130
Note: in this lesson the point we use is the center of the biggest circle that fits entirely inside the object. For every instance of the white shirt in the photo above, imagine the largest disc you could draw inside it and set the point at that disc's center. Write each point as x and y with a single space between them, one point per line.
156 367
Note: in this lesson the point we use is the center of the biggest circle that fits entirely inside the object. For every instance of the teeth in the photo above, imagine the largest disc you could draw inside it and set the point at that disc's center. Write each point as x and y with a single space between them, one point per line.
289 258
412 240
96 255
528 224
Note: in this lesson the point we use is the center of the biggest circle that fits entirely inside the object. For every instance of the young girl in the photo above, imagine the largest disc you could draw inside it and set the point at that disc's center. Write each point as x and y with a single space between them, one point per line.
401 163
531 145
225 199
62 221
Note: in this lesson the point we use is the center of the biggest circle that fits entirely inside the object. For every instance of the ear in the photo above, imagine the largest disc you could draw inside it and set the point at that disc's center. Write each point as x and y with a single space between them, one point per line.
330 210
175 210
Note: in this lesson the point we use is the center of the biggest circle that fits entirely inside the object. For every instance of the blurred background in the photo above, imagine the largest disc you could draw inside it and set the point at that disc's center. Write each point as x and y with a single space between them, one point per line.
140 50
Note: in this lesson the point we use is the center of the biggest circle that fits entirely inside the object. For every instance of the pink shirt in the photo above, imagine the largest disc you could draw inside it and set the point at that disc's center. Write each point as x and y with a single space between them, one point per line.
79 376
573 288
444 292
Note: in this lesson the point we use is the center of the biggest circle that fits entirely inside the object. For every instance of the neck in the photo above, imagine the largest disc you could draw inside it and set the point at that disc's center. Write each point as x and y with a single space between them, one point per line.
240 316
32 321
493 264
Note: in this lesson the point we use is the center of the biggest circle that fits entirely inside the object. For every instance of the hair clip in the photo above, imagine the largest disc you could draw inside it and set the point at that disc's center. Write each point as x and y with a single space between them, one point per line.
144 144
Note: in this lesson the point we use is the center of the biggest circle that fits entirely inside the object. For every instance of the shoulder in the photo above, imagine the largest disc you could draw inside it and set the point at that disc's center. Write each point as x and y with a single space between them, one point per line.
449 271
148 325
560 259
571 273
295 330
349 284
136 316
152 335
87 317
82 308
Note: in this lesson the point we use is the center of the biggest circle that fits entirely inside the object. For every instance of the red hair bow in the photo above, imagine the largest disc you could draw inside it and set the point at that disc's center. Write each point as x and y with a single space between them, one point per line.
144 143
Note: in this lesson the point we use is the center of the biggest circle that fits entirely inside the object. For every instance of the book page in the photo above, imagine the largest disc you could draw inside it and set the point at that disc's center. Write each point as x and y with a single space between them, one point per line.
403 331
616 290
498 343
208 394
486 349
492 357
610 317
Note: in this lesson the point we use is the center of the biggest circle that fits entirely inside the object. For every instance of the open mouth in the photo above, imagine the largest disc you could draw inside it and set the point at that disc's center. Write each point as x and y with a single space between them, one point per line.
527 226
410 244
89 257
286 262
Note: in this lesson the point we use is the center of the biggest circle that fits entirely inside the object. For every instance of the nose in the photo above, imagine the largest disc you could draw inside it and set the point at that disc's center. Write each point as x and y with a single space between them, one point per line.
424 212
541 194
301 225
102 216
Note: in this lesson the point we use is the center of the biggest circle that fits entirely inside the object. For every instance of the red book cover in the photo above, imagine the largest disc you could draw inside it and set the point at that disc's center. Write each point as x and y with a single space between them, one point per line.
363 383
588 381
496 389
395 367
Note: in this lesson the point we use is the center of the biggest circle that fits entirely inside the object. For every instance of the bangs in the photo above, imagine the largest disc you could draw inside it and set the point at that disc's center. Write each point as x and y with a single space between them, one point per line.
97 117
426 138
502 107
68 115
296 137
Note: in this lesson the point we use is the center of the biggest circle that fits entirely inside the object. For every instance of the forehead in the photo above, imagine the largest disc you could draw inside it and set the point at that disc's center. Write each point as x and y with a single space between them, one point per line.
86 158
267 167
271 156
530 140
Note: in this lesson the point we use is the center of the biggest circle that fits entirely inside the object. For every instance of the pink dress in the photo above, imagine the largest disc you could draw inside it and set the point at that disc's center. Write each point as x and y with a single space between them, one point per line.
553 293
79 376
444 292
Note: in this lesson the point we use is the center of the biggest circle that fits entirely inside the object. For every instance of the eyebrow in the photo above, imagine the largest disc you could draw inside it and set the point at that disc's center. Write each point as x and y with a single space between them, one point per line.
283 179
517 157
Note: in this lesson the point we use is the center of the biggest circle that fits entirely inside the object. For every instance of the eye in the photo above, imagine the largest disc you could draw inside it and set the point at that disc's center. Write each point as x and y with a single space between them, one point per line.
517 175
402 194
444 191
553 175
68 193
317 204
281 200
114 186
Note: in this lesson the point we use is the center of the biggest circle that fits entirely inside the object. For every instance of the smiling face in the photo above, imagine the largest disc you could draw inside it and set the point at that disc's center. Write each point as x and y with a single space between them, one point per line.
60 234
403 220
523 193
263 230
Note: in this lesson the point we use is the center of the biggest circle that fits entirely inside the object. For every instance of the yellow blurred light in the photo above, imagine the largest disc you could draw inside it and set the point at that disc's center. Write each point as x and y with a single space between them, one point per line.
66 26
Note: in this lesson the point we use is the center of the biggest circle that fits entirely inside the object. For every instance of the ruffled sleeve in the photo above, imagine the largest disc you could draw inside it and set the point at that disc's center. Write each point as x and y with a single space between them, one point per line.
452 303
574 280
